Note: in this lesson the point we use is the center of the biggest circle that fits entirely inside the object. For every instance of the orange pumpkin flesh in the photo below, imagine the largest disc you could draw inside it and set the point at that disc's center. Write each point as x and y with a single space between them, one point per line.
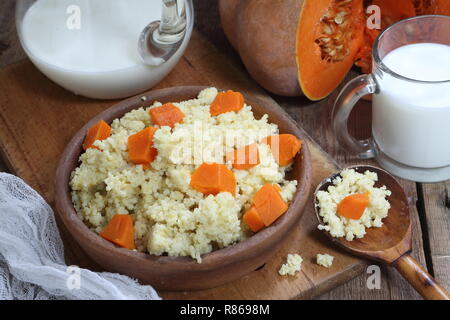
393 11
442 7
318 76
431 7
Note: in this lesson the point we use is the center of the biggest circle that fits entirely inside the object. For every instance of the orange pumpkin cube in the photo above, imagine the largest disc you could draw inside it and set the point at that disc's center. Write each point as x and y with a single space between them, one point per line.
253 220
227 102
284 147
166 115
269 203
100 131
120 231
353 206
244 158
140 147
213 178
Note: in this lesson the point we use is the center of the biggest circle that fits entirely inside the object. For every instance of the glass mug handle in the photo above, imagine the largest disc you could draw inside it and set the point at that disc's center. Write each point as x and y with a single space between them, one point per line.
173 24
161 39
347 99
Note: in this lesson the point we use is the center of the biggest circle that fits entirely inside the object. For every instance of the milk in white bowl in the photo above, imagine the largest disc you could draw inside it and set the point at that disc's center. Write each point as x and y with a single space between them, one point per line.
99 57
411 119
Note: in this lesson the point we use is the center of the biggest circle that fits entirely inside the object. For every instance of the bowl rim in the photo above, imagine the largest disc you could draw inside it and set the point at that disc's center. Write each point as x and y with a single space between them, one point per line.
77 228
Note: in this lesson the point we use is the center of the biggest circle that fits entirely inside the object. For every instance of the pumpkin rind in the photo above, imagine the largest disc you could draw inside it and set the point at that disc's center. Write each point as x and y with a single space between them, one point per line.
228 16
266 41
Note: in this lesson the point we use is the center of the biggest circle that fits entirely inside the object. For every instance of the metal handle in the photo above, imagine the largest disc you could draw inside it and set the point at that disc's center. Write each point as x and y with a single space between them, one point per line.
347 99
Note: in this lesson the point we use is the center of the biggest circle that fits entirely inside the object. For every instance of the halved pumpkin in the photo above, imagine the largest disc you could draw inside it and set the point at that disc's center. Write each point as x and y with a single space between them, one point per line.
329 35
294 47
278 42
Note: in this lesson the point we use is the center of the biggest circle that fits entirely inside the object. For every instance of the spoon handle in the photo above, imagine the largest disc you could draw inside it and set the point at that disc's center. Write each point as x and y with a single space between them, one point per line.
421 280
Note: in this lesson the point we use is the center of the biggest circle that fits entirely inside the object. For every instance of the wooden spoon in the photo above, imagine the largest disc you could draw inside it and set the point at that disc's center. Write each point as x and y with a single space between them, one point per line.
391 243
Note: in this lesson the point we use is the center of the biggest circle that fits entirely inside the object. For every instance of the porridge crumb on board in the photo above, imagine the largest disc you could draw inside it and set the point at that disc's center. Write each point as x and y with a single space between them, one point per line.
324 260
351 182
292 266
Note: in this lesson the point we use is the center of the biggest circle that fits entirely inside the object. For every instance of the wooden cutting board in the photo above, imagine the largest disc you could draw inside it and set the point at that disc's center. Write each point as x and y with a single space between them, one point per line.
38 118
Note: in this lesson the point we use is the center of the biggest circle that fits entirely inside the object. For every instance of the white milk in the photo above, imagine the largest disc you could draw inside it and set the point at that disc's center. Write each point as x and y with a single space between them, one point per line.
411 120
100 59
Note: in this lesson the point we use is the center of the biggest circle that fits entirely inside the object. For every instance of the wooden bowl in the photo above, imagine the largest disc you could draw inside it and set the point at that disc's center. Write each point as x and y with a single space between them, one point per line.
184 273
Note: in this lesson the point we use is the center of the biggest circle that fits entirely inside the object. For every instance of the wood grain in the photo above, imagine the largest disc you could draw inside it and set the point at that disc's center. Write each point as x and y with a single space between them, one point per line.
315 120
436 202
10 49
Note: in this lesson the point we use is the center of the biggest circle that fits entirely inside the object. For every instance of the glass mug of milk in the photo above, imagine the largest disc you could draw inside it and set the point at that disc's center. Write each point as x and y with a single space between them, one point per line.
410 84
90 47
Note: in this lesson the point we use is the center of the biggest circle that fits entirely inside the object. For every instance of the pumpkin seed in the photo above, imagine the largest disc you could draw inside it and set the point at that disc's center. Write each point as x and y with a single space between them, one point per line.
344 2
327 29
339 19
336 32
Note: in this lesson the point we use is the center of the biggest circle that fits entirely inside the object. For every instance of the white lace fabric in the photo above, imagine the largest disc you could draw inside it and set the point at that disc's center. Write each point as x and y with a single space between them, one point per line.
32 262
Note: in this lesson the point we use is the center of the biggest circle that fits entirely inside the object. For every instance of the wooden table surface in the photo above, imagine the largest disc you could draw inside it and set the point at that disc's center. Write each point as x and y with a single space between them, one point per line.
430 202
